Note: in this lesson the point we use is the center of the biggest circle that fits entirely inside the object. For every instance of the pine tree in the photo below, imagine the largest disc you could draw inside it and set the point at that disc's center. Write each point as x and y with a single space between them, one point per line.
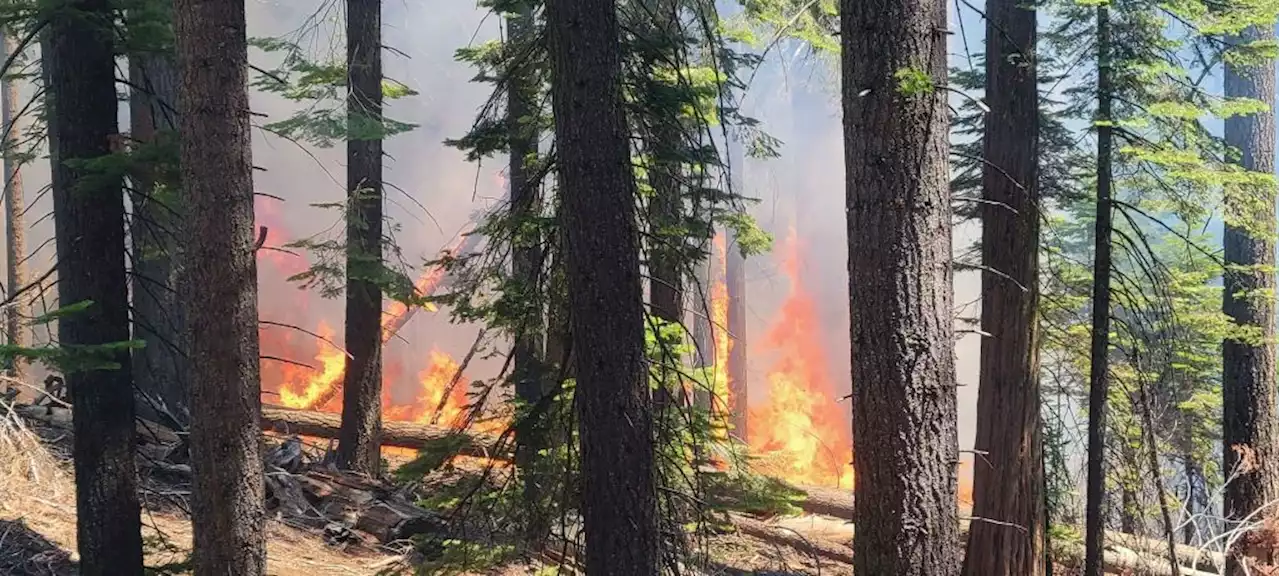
900 282
529 371
619 498
361 433
1249 428
159 367
221 288
93 326
1008 482
15 221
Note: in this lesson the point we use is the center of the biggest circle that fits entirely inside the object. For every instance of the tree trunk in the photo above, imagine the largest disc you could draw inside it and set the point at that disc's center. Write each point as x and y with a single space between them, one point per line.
735 269
15 221
358 446
89 226
527 246
1007 482
900 285
158 370
619 500
1249 425
221 288
1100 342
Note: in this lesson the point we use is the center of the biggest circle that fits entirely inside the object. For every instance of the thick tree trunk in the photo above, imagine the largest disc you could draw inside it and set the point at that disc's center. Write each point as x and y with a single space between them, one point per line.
619 500
89 225
1095 489
362 381
15 222
221 288
158 368
900 285
1249 426
530 380
1007 481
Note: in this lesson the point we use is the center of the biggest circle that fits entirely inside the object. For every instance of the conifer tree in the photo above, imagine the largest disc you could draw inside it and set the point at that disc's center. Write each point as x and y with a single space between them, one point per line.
361 433
619 497
93 326
900 283
220 289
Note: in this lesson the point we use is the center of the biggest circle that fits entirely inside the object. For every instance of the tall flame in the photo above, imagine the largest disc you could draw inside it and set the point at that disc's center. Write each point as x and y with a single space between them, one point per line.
802 433
721 342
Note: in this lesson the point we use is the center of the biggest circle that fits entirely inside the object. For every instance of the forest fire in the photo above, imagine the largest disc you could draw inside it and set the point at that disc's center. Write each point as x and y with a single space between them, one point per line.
306 370
721 341
801 433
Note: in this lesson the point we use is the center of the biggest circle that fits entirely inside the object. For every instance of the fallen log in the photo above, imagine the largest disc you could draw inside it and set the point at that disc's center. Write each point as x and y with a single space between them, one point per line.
781 536
832 502
394 433
1121 560
1189 556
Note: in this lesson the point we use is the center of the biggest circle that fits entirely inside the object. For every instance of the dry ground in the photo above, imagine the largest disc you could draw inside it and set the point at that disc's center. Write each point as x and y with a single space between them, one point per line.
37 527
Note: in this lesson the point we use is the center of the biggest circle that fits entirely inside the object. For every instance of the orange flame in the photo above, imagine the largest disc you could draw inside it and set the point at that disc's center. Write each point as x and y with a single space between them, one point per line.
720 339
802 433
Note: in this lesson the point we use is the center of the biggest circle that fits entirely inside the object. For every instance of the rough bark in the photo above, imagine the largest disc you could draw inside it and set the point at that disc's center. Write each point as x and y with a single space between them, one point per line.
158 368
89 226
526 250
1095 484
15 222
900 285
221 288
1250 427
362 380
619 501
1007 481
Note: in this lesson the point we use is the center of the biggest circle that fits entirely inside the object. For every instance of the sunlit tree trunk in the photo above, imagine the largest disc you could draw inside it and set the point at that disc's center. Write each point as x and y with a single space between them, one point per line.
1249 423
15 221
1007 479
898 203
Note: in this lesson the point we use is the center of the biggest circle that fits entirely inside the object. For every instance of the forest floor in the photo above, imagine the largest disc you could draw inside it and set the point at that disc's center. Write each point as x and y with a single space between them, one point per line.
38 524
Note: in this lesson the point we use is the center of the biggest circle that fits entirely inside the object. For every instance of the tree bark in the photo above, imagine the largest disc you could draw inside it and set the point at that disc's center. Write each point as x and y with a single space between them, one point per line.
526 264
619 500
221 288
1249 425
158 368
1007 481
1100 342
89 226
900 285
15 221
358 446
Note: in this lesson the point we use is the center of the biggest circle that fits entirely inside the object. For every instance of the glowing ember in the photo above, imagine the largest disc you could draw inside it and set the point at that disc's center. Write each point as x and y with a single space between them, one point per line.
802 434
